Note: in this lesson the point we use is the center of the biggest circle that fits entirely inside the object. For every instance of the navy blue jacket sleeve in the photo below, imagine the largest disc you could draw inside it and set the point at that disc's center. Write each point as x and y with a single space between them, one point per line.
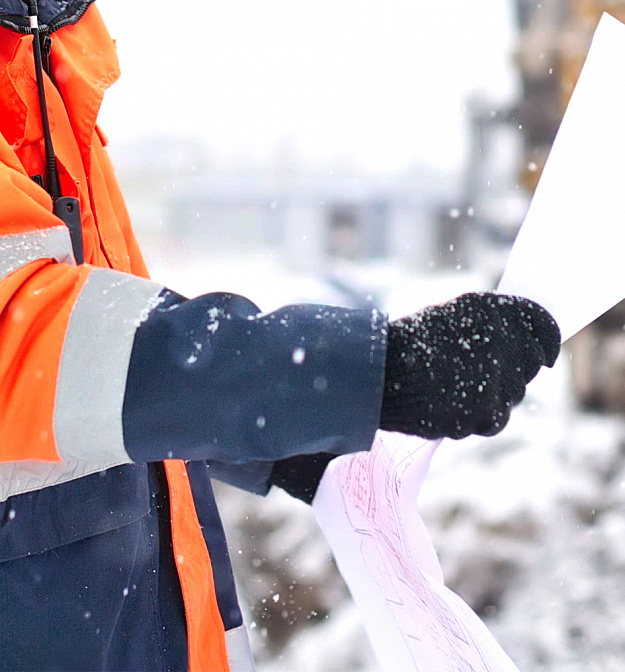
211 378
252 476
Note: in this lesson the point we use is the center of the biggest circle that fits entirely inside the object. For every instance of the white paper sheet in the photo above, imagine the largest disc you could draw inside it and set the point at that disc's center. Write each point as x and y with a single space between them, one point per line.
367 507
570 257
570 252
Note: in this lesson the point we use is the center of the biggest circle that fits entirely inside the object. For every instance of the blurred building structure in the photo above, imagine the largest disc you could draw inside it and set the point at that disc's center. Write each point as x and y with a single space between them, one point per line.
554 39
333 225
495 202
312 221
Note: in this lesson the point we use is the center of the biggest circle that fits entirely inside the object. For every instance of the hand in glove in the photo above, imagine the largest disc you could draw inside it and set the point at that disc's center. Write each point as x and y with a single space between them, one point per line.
458 368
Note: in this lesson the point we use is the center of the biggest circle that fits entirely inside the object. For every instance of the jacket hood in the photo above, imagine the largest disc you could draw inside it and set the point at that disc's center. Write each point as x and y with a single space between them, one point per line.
53 14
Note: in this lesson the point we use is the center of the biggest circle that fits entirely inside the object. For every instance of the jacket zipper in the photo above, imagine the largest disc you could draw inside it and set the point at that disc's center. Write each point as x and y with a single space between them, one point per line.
46 49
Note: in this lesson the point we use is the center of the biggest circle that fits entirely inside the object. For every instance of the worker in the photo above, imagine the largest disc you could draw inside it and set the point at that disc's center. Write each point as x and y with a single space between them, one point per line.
120 399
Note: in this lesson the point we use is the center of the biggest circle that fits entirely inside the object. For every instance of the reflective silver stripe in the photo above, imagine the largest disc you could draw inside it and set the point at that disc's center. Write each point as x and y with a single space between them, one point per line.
94 365
239 651
17 478
17 249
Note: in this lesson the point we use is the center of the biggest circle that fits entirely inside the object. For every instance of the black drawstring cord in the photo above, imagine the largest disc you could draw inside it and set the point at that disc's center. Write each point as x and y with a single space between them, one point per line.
64 207
52 174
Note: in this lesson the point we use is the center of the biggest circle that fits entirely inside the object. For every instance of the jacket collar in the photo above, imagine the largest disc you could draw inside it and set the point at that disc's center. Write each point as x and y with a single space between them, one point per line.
82 84
53 14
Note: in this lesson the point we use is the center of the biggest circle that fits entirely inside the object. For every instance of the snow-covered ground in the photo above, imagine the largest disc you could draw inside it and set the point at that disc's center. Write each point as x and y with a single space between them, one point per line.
529 525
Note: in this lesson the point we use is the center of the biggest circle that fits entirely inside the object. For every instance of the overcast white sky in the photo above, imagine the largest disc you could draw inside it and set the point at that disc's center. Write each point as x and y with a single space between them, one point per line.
378 84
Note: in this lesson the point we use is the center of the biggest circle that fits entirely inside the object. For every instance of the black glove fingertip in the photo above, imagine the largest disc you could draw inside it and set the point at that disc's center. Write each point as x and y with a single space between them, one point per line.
552 349
496 422
547 332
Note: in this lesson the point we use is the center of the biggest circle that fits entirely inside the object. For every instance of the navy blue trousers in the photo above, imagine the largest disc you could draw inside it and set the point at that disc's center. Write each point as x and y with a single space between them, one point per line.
108 602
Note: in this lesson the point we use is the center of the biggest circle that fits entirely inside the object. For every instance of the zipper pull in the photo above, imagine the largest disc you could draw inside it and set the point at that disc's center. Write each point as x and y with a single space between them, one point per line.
46 48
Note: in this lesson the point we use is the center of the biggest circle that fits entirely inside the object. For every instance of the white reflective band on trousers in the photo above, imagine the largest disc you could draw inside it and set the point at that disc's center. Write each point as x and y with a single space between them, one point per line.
19 249
16 478
239 652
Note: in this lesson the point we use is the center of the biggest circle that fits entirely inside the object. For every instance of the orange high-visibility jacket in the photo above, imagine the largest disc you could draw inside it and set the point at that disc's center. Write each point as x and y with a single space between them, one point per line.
40 298
96 376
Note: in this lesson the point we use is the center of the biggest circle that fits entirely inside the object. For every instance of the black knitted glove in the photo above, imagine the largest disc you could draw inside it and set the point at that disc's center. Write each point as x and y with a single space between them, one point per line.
458 368
300 475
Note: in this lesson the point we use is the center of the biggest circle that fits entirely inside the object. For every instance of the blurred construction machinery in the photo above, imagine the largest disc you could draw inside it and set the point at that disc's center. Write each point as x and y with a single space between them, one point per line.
554 38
